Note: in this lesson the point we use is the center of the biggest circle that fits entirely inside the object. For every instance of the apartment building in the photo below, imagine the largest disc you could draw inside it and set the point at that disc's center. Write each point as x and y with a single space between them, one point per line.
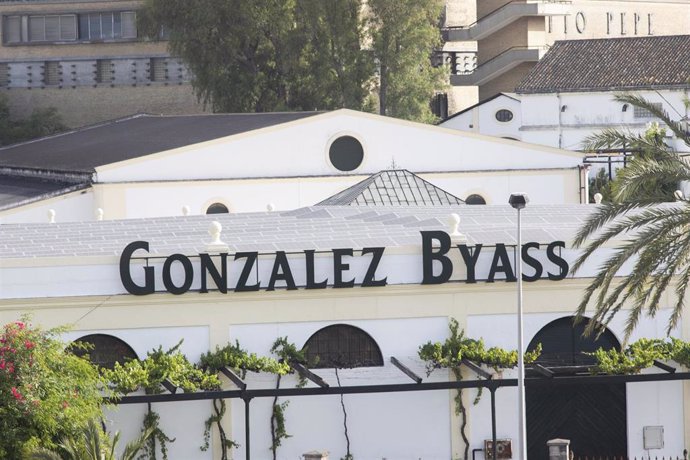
88 59
491 45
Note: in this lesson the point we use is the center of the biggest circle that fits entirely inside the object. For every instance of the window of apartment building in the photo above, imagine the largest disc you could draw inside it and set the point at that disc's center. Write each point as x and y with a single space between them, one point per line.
118 25
640 112
107 25
53 28
51 73
104 71
158 69
12 27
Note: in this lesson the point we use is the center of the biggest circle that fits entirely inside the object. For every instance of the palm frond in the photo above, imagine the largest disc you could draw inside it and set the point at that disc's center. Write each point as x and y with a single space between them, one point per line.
638 101
657 250
44 454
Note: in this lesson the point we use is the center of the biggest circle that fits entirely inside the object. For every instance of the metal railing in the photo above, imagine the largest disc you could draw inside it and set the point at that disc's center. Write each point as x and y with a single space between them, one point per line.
501 8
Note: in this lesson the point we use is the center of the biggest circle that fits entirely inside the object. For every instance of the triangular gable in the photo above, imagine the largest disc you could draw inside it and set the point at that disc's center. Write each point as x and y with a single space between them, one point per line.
301 148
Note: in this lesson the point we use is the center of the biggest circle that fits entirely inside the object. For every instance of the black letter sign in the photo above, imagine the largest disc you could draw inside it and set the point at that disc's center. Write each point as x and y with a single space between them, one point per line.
558 260
126 276
188 274
428 257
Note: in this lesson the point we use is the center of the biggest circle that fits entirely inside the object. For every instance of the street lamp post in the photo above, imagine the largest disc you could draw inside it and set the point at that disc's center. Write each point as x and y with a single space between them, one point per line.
518 201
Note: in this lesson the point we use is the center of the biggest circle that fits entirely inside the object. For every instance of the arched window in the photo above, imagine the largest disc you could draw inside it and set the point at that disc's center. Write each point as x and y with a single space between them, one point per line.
343 346
217 208
105 350
563 343
475 199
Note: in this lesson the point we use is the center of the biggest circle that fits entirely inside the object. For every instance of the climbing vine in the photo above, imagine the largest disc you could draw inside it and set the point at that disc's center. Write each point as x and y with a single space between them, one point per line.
449 355
239 360
287 353
641 355
160 368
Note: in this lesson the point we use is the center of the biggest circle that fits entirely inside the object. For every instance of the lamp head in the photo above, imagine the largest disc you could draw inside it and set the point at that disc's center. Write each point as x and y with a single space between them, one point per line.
518 200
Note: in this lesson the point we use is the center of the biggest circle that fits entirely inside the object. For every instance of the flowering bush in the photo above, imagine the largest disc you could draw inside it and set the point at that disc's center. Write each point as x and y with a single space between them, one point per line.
46 392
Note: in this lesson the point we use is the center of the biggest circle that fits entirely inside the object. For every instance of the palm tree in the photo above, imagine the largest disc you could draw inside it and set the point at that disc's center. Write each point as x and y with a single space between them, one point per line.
651 235
91 446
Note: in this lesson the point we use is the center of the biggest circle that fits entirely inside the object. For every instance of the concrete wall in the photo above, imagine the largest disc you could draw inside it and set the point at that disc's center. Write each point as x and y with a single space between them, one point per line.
597 19
78 96
87 105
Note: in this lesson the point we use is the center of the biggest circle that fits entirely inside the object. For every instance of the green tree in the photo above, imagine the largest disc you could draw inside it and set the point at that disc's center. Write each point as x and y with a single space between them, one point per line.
267 55
41 122
403 35
272 55
46 392
649 235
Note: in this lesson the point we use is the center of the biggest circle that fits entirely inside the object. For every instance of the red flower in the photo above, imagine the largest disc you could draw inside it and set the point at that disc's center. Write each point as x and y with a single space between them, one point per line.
20 325
29 344
2 364
17 395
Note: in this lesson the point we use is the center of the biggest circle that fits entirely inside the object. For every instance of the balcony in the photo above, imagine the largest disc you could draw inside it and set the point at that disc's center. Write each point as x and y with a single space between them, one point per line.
459 62
498 65
503 16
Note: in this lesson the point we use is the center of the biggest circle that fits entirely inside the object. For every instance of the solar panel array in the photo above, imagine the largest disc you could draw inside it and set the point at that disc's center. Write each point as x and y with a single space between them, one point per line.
317 227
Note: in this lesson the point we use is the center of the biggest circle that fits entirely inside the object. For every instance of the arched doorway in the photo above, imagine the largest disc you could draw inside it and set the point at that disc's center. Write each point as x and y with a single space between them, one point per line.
591 416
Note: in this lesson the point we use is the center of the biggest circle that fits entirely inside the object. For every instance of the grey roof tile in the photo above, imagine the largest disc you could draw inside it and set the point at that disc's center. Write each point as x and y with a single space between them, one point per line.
611 64
85 149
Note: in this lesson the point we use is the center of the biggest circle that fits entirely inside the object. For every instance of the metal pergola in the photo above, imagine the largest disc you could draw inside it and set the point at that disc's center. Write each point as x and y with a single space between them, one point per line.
547 377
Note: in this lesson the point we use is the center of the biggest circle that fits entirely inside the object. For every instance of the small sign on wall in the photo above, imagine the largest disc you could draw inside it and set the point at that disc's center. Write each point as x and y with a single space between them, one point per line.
653 437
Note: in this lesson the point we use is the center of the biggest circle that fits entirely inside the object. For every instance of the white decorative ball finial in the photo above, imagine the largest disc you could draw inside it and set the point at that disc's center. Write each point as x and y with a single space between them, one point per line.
678 195
270 207
453 228
186 210
99 213
598 197
216 244
51 216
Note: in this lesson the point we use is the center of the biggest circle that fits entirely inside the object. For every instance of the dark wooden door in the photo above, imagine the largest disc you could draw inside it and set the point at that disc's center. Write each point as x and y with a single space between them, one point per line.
592 417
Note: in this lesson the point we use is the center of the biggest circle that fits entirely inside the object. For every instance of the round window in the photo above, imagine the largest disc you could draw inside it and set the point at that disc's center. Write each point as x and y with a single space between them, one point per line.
504 115
346 153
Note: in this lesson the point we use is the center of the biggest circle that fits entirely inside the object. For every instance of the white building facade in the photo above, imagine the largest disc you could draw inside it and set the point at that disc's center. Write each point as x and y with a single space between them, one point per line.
70 273
283 163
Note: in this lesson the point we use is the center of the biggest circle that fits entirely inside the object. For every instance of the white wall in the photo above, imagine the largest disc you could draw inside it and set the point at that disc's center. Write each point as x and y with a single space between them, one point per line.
589 113
72 207
301 149
539 118
482 118
407 425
